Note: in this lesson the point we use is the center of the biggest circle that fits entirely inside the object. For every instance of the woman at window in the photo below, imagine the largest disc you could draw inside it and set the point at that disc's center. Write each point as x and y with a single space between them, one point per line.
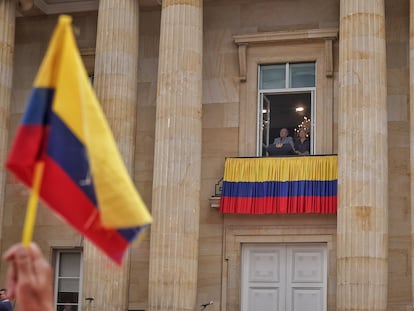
302 144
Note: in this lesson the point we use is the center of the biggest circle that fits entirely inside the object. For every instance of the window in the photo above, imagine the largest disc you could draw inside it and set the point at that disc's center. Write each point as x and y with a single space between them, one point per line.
299 58
68 277
286 100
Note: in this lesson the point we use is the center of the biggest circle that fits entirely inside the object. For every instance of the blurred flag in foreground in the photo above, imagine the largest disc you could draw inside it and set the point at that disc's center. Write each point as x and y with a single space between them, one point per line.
84 178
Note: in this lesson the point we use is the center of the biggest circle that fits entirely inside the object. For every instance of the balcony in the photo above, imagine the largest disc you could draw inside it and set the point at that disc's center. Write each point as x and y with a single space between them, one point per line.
282 185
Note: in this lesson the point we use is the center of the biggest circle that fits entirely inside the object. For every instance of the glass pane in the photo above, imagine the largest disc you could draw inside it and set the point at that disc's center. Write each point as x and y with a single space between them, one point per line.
66 307
69 265
68 285
289 112
302 75
272 76
67 297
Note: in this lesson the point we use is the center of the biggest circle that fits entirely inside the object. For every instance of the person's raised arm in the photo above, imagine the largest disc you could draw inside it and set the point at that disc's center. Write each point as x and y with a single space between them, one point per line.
29 278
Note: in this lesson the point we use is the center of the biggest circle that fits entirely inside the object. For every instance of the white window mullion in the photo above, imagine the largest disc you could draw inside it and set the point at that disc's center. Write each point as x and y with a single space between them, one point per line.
57 269
287 75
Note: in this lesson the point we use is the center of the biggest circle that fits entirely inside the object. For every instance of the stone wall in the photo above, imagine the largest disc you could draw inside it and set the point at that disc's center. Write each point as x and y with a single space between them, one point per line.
399 264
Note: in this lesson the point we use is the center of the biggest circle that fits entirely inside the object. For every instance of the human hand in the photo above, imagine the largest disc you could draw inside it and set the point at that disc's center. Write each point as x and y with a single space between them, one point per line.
279 145
29 278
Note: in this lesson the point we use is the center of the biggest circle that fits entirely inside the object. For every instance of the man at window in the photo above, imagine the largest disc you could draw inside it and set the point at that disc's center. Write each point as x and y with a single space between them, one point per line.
282 145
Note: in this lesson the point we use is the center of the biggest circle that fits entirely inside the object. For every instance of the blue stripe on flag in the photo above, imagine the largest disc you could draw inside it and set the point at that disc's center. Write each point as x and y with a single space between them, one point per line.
71 155
39 107
280 188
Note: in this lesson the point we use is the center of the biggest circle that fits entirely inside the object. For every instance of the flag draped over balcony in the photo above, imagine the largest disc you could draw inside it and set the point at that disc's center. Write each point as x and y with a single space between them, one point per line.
286 185
84 178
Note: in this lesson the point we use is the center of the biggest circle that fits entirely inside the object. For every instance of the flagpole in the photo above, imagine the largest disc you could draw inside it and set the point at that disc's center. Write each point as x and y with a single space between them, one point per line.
30 219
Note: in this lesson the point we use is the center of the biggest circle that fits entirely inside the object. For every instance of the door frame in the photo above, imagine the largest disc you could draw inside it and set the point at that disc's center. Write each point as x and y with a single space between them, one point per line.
236 235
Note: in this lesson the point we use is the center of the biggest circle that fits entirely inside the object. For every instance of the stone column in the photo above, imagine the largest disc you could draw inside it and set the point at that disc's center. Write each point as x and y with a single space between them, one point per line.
412 136
7 28
177 160
115 82
362 151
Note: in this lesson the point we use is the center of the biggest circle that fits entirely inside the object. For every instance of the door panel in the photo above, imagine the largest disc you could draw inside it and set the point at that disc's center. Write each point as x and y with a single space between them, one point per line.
304 299
265 265
262 277
307 264
264 299
306 277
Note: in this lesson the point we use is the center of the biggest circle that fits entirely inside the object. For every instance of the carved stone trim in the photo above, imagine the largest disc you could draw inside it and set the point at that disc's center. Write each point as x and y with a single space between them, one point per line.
215 202
88 57
243 61
283 36
236 235
329 57
297 36
66 7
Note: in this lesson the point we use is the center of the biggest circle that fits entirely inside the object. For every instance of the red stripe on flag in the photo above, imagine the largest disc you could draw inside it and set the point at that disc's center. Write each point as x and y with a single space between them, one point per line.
65 197
26 150
279 205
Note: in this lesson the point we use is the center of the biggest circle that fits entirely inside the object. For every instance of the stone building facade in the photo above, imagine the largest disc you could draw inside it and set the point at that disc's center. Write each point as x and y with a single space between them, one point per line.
179 81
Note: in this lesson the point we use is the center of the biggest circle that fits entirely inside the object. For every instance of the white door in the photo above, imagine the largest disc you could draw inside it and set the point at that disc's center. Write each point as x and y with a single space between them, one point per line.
283 277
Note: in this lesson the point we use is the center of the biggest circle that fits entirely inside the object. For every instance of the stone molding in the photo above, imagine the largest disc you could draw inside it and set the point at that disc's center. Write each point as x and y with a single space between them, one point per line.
283 36
282 47
236 235
327 35
215 202
88 57
51 7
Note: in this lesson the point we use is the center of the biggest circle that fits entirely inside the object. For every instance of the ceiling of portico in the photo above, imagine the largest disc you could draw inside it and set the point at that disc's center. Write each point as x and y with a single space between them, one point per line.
47 7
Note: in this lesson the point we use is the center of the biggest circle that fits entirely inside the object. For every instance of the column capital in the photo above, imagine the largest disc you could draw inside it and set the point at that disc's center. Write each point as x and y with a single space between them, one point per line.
25 5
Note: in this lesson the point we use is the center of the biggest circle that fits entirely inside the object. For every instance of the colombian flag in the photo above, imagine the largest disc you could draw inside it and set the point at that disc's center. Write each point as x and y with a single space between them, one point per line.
287 185
84 178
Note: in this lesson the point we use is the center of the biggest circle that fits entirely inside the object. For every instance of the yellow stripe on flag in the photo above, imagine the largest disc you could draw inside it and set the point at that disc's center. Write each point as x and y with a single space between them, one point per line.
281 169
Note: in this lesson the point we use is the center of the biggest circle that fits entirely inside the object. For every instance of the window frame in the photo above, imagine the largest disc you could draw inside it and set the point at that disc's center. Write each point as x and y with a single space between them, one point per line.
57 253
314 45
287 90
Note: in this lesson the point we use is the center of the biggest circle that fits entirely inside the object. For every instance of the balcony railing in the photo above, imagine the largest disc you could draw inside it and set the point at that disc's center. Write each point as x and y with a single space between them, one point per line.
283 185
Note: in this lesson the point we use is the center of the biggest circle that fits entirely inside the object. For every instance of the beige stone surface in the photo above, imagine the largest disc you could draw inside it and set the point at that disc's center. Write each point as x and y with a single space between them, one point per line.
115 82
362 155
177 159
411 138
7 18
144 147
399 275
